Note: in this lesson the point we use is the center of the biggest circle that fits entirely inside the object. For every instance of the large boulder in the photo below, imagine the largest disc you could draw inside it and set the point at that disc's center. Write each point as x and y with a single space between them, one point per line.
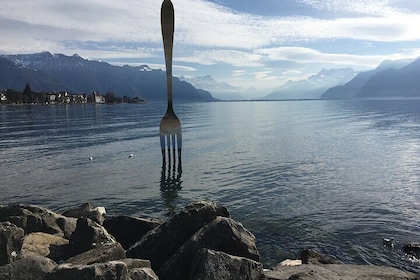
222 234
37 219
44 244
114 270
86 210
214 265
10 242
159 244
30 268
87 235
101 254
128 230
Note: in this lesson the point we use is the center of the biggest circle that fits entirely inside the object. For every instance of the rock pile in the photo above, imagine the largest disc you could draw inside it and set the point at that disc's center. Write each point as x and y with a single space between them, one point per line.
199 242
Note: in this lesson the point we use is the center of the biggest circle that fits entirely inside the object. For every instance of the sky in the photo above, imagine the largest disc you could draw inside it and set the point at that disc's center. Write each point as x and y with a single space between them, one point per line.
256 45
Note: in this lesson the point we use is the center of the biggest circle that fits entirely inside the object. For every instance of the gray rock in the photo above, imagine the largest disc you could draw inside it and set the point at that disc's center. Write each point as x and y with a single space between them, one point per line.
412 249
313 257
159 244
87 235
214 265
44 244
142 274
86 210
337 272
139 269
36 219
114 270
136 263
222 234
128 230
101 254
30 268
67 225
10 242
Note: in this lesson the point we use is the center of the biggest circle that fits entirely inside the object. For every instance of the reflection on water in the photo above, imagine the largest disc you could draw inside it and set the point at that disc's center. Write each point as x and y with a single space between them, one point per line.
335 176
170 184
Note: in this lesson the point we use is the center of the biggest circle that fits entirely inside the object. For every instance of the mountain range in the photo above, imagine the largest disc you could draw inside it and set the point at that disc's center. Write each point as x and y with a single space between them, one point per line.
314 86
220 90
391 79
57 72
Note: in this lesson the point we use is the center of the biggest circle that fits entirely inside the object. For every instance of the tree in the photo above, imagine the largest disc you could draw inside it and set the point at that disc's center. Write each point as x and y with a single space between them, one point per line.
27 96
13 96
110 97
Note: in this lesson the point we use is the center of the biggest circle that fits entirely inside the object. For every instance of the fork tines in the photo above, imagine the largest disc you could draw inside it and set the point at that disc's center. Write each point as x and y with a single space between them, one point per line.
171 145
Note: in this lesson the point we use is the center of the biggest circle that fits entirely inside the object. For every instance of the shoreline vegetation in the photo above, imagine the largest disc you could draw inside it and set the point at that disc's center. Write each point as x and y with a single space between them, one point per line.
15 97
200 241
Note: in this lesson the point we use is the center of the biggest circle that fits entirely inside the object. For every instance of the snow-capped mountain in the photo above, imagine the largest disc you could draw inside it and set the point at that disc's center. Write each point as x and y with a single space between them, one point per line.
57 72
314 86
220 90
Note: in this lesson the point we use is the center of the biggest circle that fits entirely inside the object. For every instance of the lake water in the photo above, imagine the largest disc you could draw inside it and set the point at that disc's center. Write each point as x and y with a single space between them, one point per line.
335 176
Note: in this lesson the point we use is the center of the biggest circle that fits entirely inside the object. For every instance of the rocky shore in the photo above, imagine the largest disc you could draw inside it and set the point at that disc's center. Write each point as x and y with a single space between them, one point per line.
201 241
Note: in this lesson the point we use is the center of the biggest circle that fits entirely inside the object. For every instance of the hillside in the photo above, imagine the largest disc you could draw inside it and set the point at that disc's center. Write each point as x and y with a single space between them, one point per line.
390 83
390 79
57 72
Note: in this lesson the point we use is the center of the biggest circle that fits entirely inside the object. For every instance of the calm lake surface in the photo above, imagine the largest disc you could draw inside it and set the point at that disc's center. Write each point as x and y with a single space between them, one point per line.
335 176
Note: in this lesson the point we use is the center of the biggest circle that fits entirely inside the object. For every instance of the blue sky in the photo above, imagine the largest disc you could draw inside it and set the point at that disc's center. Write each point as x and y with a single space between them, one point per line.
257 44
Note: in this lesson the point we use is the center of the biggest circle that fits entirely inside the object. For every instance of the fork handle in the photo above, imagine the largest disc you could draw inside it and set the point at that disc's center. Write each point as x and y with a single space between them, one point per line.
167 20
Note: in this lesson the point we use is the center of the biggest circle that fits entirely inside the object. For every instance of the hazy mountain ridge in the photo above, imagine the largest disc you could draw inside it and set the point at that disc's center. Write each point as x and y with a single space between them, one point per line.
221 90
314 86
57 72
390 79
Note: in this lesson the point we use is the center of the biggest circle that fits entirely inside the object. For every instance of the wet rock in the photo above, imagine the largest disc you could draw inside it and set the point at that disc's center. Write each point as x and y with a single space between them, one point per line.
114 270
337 271
159 244
44 244
222 234
10 242
214 265
412 249
313 257
101 254
36 219
30 268
86 210
128 230
87 235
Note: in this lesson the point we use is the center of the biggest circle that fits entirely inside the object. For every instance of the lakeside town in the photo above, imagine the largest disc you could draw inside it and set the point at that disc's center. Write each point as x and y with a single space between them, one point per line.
11 96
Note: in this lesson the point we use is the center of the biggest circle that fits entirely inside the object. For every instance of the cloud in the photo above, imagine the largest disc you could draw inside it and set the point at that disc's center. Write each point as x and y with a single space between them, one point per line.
303 55
199 23
368 7
208 34
231 57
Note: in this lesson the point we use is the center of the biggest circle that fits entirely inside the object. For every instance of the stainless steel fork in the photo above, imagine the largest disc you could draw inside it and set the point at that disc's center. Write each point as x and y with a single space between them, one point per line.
170 126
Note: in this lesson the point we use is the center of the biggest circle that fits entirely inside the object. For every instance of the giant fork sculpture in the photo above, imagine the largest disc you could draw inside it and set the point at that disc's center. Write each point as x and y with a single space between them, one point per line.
170 126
